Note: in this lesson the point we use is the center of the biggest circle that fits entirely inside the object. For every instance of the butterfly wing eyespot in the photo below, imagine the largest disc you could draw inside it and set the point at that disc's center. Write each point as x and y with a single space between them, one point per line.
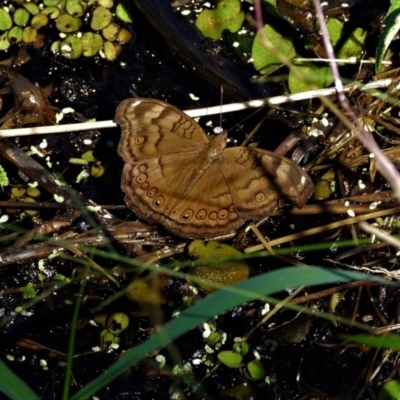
197 188
187 215
158 202
260 197
201 214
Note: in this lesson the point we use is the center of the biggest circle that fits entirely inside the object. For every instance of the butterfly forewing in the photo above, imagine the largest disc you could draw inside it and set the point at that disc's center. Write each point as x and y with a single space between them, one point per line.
151 128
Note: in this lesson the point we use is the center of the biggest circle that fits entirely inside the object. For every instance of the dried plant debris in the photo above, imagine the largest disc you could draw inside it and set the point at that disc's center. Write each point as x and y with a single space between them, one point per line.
31 103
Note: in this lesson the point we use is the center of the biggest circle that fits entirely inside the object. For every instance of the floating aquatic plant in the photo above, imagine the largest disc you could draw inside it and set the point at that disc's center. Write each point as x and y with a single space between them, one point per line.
86 28
226 16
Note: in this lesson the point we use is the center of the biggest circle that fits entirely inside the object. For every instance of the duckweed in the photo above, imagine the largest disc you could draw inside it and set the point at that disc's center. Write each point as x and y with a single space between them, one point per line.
89 27
31 213
21 17
5 20
101 18
33 192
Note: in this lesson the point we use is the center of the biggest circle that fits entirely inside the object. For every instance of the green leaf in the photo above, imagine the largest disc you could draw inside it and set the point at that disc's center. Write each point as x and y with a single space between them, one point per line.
266 61
76 8
223 273
21 17
4 41
32 8
91 44
227 16
13 387
390 391
230 358
349 46
28 291
51 3
256 370
123 13
39 21
241 347
101 18
335 28
29 34
5 20
391 342
72 47
390 25
67 23
312 77
217 303
3 177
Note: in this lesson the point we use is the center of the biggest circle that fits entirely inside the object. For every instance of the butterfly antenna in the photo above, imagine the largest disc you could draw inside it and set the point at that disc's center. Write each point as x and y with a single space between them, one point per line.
220 114
218 129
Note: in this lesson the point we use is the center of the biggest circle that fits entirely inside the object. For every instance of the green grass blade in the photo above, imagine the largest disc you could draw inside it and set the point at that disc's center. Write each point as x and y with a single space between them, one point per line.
14 387
218 303
382 342
391 25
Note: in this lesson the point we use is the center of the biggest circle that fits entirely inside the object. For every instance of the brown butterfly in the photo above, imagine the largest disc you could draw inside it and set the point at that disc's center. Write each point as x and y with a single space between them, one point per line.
176 175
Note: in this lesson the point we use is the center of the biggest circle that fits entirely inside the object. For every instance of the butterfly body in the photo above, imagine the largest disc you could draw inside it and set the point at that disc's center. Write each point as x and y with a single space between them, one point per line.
176 175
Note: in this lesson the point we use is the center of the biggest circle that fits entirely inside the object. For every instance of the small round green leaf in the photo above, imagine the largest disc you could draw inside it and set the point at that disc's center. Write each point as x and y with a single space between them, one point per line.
21 17
29 34
101 18
227 16
15 34
32 8
92 43
52 12
76 8
230 358
4 41
241 348
31 213
110 32
71 47
124 36
256 370
17 192
111 50
214 338
39 21
67 23
117 322
5 20
33 192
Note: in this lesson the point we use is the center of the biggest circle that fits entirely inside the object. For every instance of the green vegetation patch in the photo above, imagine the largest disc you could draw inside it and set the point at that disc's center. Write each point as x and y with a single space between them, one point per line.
227 16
